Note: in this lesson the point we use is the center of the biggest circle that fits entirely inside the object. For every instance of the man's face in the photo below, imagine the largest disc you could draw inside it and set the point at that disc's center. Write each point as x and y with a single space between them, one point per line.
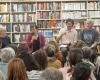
69 25
89 24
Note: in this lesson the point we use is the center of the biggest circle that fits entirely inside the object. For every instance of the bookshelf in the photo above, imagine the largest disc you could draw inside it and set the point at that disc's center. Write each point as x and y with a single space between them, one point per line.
18 15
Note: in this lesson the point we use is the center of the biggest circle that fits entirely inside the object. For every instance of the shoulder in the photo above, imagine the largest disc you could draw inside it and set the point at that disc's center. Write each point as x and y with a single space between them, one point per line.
62 29
34 74
58 62
40 35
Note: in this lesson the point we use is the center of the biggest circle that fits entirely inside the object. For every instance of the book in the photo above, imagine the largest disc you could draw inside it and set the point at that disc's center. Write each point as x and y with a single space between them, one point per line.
16 28
16 38
77 6
83 6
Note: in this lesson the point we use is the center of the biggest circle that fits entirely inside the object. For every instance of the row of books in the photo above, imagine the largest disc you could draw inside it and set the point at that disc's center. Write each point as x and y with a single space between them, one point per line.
5 18
23 17
7 27
22 37
49 24
21 28
74 6
5 7
19 37
48 15
96 21
74 15
94 14
23 7
49 6
94 5
13 0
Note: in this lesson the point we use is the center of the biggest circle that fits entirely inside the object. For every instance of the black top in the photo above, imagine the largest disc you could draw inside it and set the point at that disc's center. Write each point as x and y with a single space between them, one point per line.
5 41
36 44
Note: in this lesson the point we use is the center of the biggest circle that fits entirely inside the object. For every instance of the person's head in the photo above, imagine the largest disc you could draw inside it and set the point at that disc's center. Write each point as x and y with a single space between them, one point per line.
2 77
69 23
89 23
13 46
22 48
17 70
7 54
50 51
2 32
41 58
54 45
51 74
75 56
80 44
86 52
97 64
34 29
81 71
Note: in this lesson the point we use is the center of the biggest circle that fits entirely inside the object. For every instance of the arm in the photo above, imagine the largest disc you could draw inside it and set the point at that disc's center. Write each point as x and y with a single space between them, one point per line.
61 33
75 37
96 40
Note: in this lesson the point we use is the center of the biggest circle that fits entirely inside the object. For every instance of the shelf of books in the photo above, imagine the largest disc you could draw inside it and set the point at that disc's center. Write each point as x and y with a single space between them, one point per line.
50 15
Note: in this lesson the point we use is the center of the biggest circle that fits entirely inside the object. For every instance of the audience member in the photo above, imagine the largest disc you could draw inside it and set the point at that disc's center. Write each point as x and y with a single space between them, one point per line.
82 71
51 74
52 61
17 70
58 53
26 57
75 56
6 54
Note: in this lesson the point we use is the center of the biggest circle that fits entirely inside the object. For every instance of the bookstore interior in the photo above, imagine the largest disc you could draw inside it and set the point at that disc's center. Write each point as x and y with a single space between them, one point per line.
17 16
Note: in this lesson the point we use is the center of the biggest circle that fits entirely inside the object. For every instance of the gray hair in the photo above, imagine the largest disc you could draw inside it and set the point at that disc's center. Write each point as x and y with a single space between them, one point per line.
51 74
90 21
7 54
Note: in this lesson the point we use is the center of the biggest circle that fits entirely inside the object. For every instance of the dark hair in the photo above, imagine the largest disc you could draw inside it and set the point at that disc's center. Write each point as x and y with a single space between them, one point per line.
41 58
34 25
23 47
70 20
49 51
86 52
81 71
75 56
13 46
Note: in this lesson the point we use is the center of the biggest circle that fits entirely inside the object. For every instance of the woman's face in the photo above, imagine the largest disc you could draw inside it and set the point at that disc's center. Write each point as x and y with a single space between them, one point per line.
34 30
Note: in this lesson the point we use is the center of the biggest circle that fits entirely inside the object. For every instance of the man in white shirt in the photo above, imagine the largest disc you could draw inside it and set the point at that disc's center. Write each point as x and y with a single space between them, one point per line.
68 34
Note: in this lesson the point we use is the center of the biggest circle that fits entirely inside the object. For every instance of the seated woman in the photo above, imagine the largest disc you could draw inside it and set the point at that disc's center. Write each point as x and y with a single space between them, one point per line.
35 40
17 70
41 59
23 54
58 53
52 60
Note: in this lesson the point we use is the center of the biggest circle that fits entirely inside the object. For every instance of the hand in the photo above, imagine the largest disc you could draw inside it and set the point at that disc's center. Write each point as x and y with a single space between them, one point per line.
63 34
